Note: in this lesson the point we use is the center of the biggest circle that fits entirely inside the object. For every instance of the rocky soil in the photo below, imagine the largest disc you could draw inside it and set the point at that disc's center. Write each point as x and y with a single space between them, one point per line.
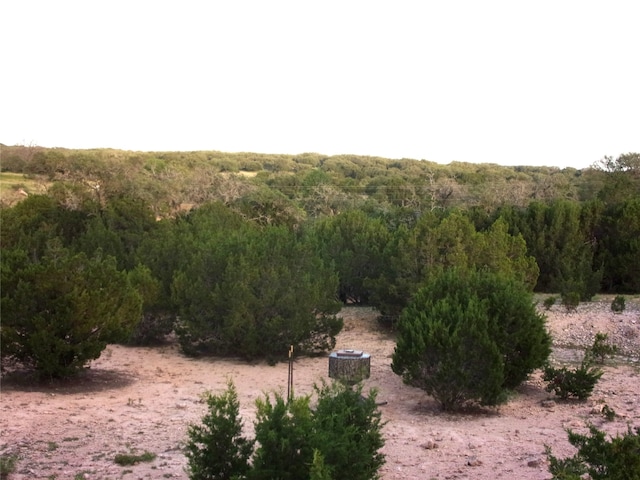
136 400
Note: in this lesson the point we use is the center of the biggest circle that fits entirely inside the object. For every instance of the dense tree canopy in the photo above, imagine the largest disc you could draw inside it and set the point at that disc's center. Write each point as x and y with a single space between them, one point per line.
255 292
243 250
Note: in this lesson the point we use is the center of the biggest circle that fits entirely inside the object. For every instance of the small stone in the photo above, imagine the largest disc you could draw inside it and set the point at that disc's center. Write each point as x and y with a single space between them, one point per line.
534 463
474 462
429 445
548 403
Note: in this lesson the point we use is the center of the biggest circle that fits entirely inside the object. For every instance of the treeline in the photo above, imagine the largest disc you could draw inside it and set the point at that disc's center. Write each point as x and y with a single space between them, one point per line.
260 262
309 184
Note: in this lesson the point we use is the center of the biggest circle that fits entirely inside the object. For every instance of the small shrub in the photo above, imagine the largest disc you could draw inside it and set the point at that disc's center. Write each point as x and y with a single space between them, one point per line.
282 433
7 465
570 301
618 304
615 459
124 459
549 302
578 383
600 349
216 447
608 413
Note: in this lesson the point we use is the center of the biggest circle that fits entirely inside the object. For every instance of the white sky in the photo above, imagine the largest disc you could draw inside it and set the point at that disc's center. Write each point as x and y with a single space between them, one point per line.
546 82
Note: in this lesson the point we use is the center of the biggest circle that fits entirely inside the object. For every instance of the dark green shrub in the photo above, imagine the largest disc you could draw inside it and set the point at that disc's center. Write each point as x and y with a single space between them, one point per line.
152 329
61 310
283 432
578 383
155 323
618 304
254 294
600 349
216 447
125 459
470 337
452 335
599 458
7 465
608 413
348 431
549 302
344 429
570 301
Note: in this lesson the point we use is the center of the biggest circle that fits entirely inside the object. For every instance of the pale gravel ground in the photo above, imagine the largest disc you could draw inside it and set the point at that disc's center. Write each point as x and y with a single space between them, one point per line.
142 399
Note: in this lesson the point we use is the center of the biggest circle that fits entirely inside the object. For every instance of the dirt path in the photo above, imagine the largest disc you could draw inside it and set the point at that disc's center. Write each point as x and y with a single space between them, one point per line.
134 400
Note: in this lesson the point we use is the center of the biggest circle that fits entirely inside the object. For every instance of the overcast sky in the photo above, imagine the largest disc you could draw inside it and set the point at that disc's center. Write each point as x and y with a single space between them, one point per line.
511 82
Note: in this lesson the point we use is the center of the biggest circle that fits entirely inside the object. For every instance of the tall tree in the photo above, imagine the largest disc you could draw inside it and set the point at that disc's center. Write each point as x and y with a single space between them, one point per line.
560 237
620 247
354 243
254 293
435 245
32 223
622 177
117 229
499 251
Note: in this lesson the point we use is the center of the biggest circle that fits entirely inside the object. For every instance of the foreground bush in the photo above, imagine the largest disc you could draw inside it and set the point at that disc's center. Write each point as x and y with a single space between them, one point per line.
469 338
347 431
339 438
283 439
216 448
599 458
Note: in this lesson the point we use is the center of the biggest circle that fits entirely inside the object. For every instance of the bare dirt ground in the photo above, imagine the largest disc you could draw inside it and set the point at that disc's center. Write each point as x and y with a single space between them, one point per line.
134 400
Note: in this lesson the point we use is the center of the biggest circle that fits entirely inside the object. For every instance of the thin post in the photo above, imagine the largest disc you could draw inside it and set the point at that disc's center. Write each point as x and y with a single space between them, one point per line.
290 376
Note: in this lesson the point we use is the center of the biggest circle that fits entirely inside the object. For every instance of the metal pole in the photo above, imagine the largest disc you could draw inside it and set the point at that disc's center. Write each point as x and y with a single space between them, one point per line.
290 376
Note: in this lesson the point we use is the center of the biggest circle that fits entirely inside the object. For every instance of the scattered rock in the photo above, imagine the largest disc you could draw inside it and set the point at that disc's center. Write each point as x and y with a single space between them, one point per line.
474 462
534 463
429 445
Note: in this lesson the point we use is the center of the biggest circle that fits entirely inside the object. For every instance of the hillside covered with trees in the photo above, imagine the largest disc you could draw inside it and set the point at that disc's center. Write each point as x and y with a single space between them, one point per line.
245 254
